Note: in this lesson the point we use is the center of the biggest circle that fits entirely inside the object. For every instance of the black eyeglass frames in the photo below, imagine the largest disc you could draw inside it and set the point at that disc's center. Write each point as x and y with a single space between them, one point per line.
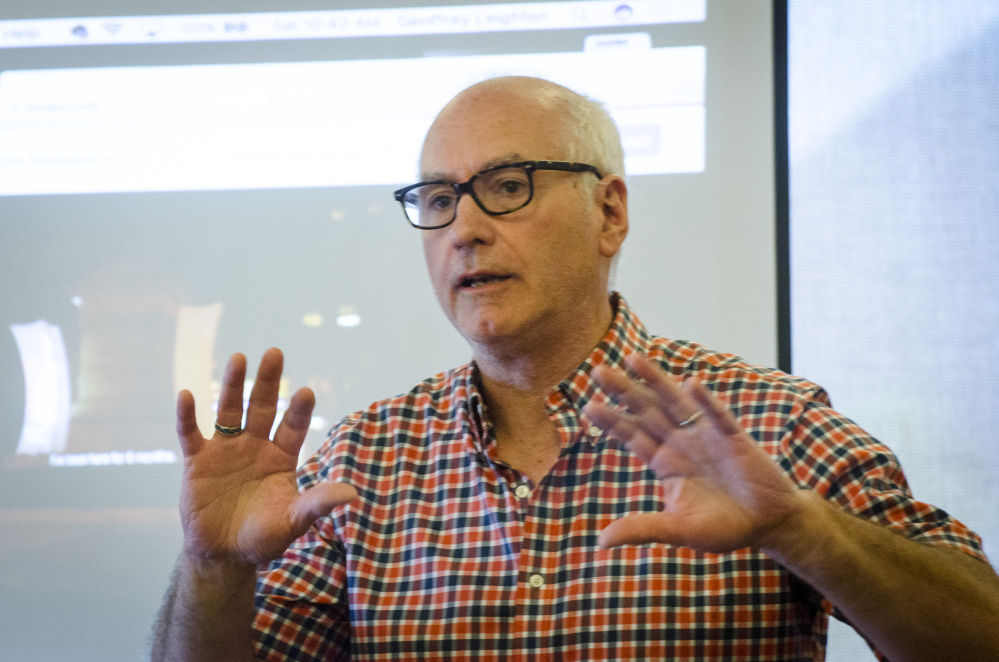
498 190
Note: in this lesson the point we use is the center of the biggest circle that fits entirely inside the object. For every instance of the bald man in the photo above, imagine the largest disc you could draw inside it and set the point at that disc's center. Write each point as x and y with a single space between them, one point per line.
581 489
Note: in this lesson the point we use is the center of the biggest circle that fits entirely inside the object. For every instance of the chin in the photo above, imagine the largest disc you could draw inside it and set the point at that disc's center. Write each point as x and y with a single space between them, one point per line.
485 330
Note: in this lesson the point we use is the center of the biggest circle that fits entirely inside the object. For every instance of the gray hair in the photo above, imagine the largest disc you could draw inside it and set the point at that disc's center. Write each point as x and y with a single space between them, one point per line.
592 135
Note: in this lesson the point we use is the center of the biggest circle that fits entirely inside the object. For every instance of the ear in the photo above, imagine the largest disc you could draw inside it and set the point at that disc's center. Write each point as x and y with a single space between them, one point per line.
612 196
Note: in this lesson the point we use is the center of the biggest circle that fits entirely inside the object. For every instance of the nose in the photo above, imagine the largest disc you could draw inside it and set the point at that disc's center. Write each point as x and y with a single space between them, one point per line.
471 224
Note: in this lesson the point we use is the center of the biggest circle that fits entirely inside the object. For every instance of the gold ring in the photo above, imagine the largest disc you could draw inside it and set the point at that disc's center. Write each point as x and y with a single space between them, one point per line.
690 420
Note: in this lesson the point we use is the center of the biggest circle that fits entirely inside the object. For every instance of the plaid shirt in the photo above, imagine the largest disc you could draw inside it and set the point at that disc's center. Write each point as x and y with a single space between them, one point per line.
449 553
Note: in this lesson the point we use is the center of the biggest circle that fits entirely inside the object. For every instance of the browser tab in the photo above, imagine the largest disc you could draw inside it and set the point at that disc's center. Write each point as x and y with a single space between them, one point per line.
630 40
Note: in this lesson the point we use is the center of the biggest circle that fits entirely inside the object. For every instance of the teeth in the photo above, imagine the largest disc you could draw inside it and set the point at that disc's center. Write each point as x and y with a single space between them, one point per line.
483 280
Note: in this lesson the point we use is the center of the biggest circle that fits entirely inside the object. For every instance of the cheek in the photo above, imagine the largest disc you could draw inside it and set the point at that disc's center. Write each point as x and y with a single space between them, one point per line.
433 258
429 252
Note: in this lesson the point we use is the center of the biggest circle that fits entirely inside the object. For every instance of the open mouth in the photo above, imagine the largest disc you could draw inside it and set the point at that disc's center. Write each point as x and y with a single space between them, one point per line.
478 280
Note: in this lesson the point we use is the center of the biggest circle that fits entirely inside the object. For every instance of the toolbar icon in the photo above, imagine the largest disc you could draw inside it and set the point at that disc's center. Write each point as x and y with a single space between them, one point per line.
151 28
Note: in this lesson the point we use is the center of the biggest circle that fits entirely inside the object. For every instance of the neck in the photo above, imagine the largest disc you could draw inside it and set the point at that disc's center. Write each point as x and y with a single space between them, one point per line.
517 376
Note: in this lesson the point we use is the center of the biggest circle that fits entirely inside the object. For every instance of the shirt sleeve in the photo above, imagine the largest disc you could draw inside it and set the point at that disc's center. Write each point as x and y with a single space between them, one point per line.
829 453
302 610
832 455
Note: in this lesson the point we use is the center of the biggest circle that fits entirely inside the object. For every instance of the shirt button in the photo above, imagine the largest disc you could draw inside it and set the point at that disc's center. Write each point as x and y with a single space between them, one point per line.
594 431
522 491
536 581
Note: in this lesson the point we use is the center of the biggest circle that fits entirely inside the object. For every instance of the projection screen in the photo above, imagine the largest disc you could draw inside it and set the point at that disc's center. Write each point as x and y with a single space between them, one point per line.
183 180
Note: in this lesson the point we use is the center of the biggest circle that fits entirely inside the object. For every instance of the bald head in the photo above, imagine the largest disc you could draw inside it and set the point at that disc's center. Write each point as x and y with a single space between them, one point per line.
582 125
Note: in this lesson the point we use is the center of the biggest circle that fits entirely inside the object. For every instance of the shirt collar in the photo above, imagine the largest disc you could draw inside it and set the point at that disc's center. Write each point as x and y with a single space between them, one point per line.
626 334
565 401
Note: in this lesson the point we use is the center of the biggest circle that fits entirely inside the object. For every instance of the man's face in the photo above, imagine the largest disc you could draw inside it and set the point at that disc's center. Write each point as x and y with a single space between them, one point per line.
504 281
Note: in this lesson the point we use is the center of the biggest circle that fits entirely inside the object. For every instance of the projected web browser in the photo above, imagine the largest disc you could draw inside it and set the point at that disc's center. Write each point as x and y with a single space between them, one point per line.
212 103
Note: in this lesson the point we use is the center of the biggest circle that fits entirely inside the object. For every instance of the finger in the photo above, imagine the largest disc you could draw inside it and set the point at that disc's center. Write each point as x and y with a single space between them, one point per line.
669 462
187 424
713 408
295 423
621 428
230 411
318 501
638 398
676 404
664 460
640 529
264 396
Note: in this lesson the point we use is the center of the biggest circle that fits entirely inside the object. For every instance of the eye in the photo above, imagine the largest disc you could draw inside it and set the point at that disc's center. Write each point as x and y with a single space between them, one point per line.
512 186
433 198
506 183
440 201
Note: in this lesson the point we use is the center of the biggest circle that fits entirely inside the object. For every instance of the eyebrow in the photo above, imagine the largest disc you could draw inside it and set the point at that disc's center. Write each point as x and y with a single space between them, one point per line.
512 157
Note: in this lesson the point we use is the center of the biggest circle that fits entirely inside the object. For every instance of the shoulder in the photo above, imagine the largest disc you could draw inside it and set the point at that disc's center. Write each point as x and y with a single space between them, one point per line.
790 417
735 381
743 386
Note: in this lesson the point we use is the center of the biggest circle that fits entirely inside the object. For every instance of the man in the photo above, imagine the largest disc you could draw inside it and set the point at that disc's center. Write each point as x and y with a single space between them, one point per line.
500 510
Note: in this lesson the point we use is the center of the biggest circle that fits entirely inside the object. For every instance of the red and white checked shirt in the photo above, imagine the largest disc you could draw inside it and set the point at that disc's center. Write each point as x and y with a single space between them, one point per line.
450 554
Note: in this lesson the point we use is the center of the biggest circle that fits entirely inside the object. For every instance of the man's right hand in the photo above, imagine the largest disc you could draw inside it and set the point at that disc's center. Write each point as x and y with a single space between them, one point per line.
240 503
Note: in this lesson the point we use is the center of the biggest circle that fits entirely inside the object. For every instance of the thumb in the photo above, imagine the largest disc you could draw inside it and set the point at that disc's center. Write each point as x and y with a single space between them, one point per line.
641 529
318 501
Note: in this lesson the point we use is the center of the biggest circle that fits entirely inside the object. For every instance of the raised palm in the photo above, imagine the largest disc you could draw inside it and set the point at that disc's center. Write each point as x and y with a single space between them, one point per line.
722 492
239 499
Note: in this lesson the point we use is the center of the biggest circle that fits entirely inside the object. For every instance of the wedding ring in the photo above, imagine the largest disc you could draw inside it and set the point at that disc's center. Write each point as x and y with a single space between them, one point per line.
690 420
228 431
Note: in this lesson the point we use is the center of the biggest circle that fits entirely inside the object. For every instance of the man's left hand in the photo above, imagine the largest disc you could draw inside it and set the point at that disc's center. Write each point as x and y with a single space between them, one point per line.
723 492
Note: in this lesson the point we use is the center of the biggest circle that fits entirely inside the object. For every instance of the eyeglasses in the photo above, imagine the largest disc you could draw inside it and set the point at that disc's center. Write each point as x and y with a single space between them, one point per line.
498 190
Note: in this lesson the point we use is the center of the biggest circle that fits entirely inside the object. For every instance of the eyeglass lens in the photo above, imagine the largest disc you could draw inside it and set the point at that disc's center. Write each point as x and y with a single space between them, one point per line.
497 191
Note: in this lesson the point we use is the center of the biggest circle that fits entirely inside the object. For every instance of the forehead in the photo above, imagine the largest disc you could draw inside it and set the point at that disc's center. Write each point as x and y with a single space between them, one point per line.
482 130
